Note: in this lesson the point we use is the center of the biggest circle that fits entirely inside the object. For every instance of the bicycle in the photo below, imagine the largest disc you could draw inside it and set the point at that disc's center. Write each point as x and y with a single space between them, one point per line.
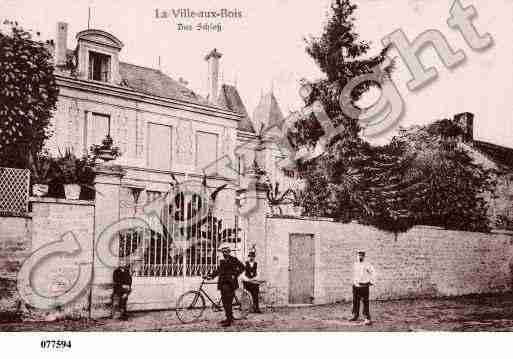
190 306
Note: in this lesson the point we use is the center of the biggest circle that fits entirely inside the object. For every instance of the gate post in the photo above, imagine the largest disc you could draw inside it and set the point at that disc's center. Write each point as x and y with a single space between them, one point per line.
253 211
107 185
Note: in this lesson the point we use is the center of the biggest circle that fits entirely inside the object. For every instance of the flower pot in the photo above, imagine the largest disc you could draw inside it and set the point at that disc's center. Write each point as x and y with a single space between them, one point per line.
297 210
40 190
106 155
72 191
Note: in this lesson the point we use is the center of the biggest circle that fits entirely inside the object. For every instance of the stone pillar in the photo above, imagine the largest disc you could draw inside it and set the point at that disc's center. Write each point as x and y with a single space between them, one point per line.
107 185
253 211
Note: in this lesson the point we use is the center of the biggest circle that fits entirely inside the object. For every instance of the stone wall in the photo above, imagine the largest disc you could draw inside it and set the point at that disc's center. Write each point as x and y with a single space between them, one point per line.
425 261
15 246
57 239
64 226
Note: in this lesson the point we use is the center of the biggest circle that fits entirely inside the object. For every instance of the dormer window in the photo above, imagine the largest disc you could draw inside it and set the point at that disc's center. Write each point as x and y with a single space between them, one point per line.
98 56
99 67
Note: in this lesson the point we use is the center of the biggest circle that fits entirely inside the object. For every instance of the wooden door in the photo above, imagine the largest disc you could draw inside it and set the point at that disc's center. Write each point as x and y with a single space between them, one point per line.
301 268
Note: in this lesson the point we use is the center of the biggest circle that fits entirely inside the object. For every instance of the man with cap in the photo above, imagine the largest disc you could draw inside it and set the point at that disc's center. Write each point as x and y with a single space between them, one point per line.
250 279
122 280
228 271
363 278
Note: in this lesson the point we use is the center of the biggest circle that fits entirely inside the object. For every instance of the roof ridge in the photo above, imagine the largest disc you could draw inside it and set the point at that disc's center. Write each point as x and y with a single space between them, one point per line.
145 67
494 144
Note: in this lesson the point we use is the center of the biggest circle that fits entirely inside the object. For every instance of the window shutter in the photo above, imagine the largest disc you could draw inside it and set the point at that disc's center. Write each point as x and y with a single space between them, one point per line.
159 146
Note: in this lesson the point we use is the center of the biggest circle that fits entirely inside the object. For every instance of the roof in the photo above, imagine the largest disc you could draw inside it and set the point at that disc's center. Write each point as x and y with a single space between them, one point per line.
156 83
229 97
268 112
502 156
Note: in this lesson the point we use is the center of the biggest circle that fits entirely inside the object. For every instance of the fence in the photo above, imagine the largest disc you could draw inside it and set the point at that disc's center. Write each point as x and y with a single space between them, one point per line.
14 191
183 243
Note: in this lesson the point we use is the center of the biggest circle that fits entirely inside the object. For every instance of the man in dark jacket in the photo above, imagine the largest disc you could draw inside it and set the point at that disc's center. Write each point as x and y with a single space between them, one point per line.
122 280
230 268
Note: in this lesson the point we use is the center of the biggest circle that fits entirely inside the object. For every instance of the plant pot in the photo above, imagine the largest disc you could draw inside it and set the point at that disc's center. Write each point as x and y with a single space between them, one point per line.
106 155
297 210
40 190
72 191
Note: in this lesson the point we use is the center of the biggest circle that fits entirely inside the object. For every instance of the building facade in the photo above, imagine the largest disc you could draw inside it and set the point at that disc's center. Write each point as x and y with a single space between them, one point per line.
165 133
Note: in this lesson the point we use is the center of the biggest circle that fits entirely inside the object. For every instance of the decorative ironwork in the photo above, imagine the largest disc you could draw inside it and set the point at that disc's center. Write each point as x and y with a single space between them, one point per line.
14 191
182 244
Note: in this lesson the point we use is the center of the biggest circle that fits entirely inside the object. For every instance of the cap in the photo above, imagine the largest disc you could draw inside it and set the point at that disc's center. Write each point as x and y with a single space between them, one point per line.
225 247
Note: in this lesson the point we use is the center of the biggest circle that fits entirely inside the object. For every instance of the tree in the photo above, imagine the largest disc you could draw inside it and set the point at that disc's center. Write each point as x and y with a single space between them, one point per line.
419 178
28 94
440 183
336 182
339 53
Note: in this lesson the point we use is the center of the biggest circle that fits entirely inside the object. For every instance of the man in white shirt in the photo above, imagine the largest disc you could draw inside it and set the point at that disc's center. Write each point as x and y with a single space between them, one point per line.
363 278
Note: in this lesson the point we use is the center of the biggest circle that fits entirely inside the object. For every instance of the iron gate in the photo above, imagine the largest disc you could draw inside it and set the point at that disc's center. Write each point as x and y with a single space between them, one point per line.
184 243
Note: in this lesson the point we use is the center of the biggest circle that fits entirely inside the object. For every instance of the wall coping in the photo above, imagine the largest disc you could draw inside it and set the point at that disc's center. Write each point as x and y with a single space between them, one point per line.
16 215
495 232
75 202
302 218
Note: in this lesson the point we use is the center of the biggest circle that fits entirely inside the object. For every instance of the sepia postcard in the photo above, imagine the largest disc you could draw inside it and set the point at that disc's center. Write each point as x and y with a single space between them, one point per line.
255 166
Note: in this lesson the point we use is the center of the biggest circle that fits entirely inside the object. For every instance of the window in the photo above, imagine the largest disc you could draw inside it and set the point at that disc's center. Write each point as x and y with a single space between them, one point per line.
99 67
206 151
98 126
159 146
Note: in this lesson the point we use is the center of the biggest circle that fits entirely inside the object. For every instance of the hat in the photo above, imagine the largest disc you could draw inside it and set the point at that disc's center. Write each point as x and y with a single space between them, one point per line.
225 247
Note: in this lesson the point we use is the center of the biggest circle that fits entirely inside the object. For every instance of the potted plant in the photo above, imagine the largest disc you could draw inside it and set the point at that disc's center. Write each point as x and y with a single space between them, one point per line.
42 172
74 173
106 151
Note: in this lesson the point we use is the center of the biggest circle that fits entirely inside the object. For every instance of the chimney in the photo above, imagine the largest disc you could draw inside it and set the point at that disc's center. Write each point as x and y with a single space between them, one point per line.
61 44
213 74
465 121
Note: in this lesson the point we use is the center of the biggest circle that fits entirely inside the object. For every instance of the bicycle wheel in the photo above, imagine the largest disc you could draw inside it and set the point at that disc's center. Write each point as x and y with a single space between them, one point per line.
190 306
242 304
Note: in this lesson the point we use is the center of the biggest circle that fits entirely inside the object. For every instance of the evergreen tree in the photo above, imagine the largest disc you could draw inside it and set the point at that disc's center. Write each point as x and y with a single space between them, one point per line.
419 178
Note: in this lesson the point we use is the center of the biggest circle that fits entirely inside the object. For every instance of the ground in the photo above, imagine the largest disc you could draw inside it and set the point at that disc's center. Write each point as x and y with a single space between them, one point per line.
474 313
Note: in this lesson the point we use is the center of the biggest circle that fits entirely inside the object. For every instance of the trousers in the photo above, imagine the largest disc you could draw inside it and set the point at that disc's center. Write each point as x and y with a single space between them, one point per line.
254 290
361 293
120 299
227 295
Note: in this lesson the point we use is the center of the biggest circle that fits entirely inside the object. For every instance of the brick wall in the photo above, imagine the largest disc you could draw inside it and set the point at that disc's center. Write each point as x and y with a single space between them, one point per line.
425 261
15 246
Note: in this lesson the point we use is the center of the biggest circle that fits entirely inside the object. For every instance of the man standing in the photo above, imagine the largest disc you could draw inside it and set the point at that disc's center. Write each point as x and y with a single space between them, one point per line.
363 278
251 280
122 280
230 268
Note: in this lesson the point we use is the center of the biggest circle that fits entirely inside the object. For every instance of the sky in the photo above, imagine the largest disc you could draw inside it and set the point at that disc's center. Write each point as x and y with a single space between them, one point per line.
264 49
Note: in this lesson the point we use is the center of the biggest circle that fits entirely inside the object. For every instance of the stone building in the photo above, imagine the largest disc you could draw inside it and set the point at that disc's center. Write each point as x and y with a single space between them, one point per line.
164 131
160 125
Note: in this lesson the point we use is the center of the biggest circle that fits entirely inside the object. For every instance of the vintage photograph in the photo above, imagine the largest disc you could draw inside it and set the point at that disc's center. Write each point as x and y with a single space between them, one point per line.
244 166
